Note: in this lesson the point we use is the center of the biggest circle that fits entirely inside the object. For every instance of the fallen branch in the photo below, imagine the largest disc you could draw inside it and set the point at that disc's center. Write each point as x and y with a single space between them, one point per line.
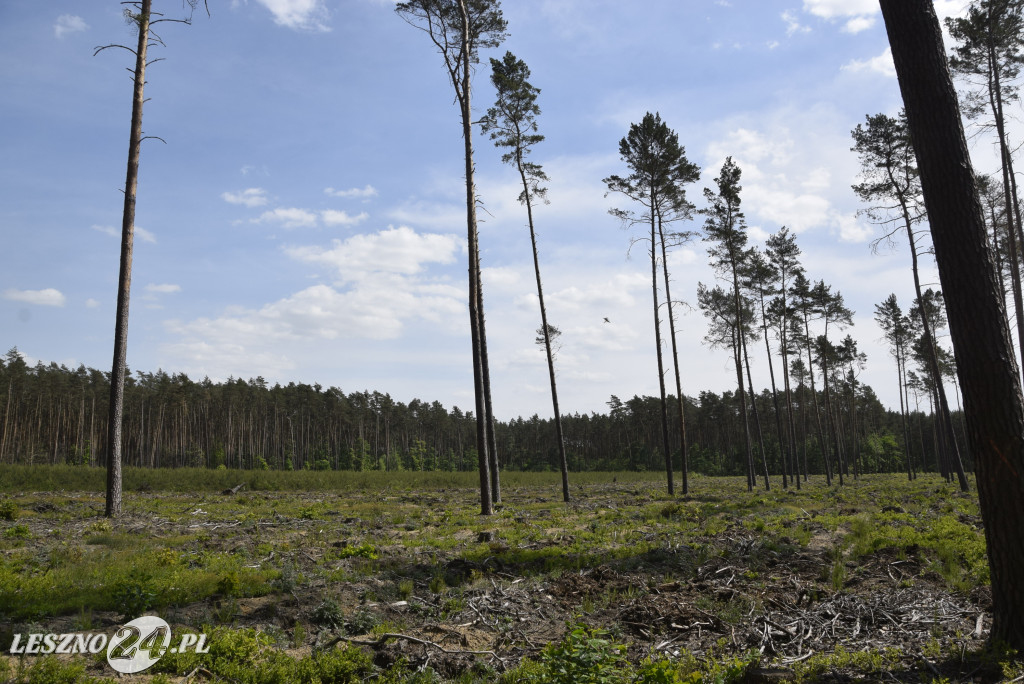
384 637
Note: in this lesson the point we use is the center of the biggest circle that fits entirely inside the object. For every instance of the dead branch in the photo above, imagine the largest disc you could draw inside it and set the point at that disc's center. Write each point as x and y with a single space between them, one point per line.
384 637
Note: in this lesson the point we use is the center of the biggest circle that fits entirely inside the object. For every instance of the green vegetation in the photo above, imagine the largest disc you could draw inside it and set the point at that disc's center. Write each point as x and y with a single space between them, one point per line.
266 572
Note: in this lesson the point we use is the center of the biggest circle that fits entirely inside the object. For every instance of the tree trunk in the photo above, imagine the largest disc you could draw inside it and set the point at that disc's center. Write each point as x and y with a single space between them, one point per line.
657 343
476 319
775 395
988 376
757 418
814 402
675 359
562 460
117 373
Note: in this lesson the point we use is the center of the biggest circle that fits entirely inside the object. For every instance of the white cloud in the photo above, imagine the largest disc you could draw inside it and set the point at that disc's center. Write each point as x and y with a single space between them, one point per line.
163 288
47 297
145 235
332 217
309 15
859 15
69 23
91 303
744 144
394 250
837 9
852 230
793 25
250 197
107 230
288 217
858 24
368 191
882 64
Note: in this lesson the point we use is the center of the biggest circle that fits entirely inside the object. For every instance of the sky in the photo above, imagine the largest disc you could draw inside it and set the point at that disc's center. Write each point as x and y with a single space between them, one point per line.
302 216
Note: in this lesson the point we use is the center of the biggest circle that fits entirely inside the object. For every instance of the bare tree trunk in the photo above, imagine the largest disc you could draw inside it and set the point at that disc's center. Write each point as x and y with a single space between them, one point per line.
757 418
775 395
903 410
562 460
814 401
988 376
675 359
113 493
476 319
657 343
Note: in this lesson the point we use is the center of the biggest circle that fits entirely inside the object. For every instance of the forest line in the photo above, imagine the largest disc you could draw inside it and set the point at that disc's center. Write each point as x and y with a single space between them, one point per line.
53 414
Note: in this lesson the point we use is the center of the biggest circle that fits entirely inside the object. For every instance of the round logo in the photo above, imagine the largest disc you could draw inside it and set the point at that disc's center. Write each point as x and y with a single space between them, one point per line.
138 644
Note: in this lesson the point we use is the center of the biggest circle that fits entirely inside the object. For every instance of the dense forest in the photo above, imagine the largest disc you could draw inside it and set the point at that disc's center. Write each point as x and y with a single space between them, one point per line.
53 414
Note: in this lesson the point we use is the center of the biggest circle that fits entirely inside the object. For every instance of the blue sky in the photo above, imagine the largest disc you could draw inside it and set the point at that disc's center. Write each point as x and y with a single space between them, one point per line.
305 220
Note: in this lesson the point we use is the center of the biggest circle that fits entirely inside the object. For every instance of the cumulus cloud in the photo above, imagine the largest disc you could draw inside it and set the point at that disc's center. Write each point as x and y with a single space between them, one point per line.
306 15
788 181
67 24
288 217
394 250
368 191
882 64
47 297
331 217
250 197
91 303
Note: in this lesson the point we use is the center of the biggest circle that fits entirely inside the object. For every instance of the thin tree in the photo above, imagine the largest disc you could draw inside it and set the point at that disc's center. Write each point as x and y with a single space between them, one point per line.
142 19
679 209
512 124
725 228
890 176
658 170
853 360
896 329
458 29
833 311
726 330
805 310
761 278
784 256
989 377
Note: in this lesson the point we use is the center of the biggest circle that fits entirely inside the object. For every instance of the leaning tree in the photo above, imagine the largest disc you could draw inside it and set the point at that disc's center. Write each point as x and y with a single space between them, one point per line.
142 18
512 124
988 373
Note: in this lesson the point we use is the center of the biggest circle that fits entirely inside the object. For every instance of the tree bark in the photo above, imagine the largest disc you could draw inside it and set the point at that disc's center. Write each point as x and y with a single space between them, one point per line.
117 373
675 358
476 320
657 343
563 463
988 374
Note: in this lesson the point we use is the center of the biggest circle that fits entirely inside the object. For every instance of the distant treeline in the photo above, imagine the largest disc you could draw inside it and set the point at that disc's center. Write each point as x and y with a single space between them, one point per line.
53 414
